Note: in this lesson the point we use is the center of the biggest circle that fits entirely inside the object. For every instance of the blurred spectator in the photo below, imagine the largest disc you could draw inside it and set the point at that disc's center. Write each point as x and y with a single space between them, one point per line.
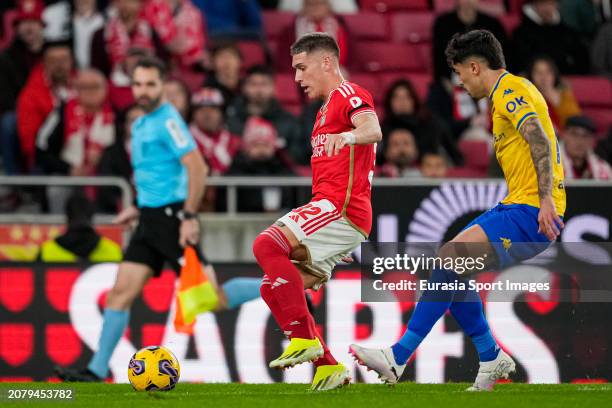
120 82
577 143
338 6
180 26
604 147
433 165
580 16
542 32
226 62
259 100
232 18
260 156
173 29
47 87
446 97
560 99
77 21
451 102
603 10
177 93
601 51
16 63
315 16
464 17
217 144
115 160
124 30
403 109
80 242
401 154
75 134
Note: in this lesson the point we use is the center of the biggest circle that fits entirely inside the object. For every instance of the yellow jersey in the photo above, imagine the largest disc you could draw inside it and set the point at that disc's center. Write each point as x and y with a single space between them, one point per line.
515 99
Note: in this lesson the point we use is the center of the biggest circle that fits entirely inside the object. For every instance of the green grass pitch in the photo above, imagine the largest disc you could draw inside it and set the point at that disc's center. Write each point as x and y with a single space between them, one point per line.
404 395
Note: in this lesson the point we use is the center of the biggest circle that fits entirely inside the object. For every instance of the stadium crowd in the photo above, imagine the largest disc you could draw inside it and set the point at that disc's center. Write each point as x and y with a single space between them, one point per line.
66 105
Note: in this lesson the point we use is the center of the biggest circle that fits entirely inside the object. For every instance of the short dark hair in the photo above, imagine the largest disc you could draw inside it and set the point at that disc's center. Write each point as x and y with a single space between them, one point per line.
225 45
149 62
551 63
260 70
49 44
315 41
475 43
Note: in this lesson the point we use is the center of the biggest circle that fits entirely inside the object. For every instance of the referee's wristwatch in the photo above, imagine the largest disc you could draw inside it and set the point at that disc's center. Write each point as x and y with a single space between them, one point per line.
186 215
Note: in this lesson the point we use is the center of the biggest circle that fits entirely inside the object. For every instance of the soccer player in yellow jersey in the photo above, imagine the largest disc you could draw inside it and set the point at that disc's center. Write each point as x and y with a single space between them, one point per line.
521 226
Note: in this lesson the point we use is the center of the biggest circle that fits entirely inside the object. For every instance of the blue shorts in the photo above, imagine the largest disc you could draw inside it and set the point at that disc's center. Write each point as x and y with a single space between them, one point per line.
512 229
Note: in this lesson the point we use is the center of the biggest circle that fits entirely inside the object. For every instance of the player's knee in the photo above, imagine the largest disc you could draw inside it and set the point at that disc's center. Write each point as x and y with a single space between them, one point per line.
265 290
260 246
447 251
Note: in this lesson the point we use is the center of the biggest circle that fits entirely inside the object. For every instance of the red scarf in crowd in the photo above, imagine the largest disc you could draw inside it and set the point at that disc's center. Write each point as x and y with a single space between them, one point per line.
218 148
86 134
119 40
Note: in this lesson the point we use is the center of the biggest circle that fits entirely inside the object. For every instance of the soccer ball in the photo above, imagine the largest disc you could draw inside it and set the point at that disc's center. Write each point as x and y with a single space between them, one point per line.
153 368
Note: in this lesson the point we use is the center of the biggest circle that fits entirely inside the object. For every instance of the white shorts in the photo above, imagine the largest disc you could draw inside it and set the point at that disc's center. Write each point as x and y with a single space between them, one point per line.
325 234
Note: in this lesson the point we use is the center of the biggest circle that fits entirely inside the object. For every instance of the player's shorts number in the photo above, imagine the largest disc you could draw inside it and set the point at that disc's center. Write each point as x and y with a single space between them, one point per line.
305 212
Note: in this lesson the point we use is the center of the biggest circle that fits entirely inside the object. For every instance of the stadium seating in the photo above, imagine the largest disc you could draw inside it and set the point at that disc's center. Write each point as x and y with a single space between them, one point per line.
287 90
476 154
367 26
412 27
276 22
369 82
384 6
591 91
252 53
464 172
602 118
388 57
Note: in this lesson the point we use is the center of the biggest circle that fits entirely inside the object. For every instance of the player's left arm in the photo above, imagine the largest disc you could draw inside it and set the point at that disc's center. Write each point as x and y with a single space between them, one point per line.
540 147
183 147
367 131
197 172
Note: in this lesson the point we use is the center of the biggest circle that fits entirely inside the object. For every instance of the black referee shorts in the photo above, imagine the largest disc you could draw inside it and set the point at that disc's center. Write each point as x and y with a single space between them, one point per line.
156 239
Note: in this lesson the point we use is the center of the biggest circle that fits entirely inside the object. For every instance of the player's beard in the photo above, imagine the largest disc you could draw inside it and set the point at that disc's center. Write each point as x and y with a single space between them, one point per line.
149 104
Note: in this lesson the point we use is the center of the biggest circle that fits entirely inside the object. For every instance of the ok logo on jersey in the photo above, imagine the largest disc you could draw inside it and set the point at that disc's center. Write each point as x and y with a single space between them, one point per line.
512 105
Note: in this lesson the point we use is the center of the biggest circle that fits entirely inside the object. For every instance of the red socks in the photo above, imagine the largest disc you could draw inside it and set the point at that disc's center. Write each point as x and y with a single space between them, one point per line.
272 249
268 296
327 358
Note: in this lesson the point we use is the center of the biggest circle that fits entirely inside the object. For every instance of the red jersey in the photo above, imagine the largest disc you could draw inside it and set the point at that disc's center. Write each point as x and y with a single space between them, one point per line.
345 179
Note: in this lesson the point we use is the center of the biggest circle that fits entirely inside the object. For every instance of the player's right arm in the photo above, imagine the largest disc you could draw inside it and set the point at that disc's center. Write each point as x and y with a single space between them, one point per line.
357 106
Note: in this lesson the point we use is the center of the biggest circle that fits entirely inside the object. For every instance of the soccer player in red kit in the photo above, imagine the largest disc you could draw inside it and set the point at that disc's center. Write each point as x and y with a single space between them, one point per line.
301 249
